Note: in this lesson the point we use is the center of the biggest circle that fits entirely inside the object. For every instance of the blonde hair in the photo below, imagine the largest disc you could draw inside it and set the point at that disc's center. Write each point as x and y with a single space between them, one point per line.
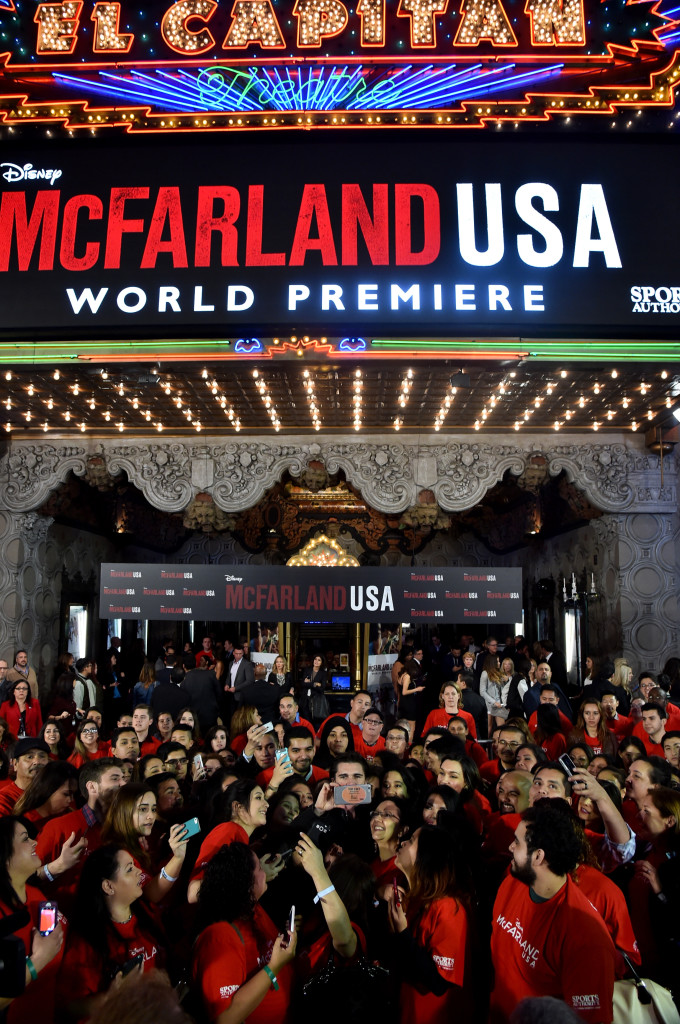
445 687
623 674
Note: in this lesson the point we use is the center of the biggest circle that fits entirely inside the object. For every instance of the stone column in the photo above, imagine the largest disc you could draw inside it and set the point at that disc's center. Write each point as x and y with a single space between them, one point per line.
29 591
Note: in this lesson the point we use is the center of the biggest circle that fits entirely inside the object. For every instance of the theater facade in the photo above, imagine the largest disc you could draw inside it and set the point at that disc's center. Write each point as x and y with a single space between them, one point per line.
397 279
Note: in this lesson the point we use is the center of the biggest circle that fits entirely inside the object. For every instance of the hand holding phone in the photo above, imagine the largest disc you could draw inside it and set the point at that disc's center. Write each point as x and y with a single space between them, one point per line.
48 917
290 928
567 764
395 892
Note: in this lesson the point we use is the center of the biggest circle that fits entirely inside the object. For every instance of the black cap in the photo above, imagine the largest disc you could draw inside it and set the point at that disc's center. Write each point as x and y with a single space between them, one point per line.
27 743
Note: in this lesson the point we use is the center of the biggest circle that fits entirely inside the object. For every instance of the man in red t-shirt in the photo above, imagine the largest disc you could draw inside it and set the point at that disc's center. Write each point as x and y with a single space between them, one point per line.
509 739
371 741
30 757
547 939
653 728
550 696
289 712
619 724
300 747
141 723
64 839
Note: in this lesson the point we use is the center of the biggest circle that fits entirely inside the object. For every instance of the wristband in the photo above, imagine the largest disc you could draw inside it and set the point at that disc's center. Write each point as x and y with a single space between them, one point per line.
47 873
166 876
272 977
31 969
324 892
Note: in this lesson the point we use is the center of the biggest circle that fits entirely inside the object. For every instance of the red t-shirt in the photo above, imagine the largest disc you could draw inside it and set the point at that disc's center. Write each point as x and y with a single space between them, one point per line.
565 725
239 743
9 795
222 835
610 904
310 961
442 930
149 746
385 872
559 947
38 999
368 752
50 841
620 726
491 771
84 974
78 760
476 752
441 717
553 745
224 959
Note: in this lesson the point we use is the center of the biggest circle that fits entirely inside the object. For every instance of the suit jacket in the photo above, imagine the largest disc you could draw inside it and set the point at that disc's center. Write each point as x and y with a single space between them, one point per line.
203 695
558 670
245 675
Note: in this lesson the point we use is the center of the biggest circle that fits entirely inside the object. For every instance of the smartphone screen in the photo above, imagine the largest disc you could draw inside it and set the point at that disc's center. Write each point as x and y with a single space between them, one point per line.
48 918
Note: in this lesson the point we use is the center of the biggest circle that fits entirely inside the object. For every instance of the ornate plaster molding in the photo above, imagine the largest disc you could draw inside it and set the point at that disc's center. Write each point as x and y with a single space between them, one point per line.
617 475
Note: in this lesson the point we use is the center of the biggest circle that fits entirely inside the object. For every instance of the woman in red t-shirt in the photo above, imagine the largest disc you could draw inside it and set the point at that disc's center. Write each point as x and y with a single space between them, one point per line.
387 824
430 926
18 862
49 794
241 964
591 728
109 928
547 733
129 822
450 698
87 746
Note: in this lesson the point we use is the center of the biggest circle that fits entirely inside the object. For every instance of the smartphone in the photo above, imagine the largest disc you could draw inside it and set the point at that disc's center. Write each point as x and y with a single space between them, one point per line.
193 827
198 763
268 726
282 755
290 925
395 890
285 854
351 796
130 965
567 764
48 917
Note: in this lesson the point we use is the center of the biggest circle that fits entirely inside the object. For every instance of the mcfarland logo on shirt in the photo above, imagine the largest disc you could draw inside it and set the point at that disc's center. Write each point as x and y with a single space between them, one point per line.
447 963
585 1002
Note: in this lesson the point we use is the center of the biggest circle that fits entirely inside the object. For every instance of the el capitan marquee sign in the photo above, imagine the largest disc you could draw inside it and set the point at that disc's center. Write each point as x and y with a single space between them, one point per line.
202 65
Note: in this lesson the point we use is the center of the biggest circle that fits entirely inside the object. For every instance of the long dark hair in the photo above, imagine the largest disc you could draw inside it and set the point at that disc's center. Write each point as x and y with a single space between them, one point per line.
435 876
226 893
8 827
48 780
238 792
90 917
29 698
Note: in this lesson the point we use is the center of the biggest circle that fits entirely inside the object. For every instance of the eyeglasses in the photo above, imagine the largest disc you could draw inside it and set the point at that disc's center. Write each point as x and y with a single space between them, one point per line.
384 814
373 721
177 760
89 732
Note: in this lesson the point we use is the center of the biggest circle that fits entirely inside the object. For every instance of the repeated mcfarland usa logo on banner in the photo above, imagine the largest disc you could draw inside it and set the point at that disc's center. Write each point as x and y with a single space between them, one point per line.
393 240
294 594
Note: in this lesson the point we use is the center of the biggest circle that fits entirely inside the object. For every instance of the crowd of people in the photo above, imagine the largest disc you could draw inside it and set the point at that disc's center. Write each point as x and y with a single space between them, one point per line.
199 833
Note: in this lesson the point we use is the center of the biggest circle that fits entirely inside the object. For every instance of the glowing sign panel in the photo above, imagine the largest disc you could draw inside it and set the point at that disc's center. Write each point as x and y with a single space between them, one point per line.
193 64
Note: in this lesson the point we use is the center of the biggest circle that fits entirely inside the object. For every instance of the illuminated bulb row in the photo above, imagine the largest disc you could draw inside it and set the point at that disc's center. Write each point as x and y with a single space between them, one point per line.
267 400
444 407
490 406
308 385
356 398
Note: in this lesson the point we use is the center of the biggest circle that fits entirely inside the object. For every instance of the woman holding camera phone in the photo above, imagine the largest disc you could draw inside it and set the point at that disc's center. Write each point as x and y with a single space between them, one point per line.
241 963
111 934
18 862
430 928
243 808
129 822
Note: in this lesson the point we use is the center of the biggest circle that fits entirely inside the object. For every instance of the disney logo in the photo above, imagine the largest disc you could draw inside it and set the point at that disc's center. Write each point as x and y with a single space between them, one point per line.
234 579
28 172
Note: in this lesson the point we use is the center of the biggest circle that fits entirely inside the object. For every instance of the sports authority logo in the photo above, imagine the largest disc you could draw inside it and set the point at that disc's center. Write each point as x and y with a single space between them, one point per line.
650 299
228 990
447 963
589 1002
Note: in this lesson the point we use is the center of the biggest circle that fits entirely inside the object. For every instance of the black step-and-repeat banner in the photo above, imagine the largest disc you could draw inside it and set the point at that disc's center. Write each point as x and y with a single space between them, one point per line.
219 593
415 236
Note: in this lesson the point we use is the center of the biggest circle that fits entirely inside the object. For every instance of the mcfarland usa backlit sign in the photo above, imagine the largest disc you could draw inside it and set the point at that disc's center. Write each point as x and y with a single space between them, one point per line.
294 594
443 237
203 65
